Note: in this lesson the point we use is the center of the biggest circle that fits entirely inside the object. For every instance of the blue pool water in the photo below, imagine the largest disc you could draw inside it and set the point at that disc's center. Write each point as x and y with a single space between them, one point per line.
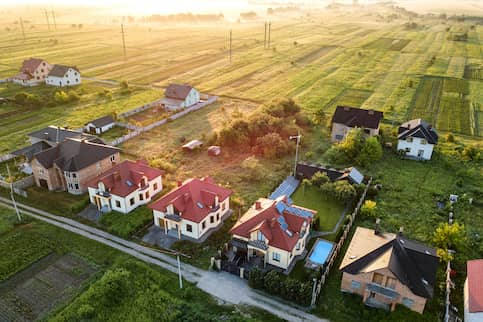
321 251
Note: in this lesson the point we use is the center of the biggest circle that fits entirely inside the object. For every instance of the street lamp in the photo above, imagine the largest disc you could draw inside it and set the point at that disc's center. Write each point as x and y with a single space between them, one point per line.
297 137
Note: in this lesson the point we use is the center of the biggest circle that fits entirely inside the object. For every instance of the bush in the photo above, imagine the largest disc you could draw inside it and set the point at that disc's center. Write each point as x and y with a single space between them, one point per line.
61 97
271 145
449 138
371 151
319 179
343 190
163 165
368 209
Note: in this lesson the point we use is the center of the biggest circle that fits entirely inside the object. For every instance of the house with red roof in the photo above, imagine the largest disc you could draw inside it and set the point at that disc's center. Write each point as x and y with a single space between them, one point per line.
274 232
192 210
32 72
125 186
473 291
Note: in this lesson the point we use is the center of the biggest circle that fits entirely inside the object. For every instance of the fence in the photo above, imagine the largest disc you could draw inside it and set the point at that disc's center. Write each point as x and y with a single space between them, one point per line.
339 244
139 109
6 157
140 130
127 126
19 186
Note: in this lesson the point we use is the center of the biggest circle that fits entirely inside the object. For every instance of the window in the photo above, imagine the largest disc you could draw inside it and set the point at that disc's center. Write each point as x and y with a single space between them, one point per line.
260 236
223 207
189 228
423 141
77 186
67 174
420 153
355 285
42 70
155 186
74 175
70 185
339 137
408 150
68 82
147 194
77 80
391 283
118 204
203 225
113 158
377 278
217 217
212 219
276 257
409 139
407 302
131 201
367 131
298 246
141 197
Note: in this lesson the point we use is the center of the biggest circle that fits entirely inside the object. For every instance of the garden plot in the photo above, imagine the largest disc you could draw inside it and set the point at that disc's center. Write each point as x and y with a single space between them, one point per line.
426 102
456 67
32 293
388 44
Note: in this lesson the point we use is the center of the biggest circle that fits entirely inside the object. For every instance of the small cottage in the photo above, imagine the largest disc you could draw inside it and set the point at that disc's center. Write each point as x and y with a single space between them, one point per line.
180 96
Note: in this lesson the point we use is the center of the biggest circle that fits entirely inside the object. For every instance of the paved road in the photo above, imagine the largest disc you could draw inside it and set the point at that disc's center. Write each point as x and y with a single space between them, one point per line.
223 286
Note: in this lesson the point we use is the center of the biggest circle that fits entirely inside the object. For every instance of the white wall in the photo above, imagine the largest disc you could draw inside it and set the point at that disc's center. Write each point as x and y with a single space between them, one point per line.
71 78
192 98
415 146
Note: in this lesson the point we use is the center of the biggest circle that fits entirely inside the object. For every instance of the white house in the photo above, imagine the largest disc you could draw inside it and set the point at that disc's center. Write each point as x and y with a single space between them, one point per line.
125 186
61 76
274 231
32 72
193 210
100 125
180 96
417 139
473 291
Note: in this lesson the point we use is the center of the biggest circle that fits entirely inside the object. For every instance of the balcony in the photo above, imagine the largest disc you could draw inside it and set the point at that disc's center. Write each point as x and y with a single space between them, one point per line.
173 217
104 194
387 292
258 244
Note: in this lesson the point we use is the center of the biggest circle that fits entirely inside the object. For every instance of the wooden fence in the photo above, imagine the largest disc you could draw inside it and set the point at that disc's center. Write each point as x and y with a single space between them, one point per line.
339 245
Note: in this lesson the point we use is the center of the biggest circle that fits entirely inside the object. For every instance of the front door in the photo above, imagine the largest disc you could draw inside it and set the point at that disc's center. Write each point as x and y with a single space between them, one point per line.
420 153
43 183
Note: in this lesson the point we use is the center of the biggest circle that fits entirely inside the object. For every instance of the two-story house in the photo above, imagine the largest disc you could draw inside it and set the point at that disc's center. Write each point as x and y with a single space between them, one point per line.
61 76
387 269
125 186
417 139
193 210
33 72
180 96
71 164
346 118
273 232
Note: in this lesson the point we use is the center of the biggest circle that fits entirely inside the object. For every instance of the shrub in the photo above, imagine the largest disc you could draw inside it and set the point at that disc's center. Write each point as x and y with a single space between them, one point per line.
319 178
255 278
449 138
61 97
252 168
343 190
162 164
370 152
271 145
449 236
368 209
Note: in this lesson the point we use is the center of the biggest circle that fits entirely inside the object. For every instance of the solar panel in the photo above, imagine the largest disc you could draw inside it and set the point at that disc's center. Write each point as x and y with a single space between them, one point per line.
280 207
200 205
299 212
282 222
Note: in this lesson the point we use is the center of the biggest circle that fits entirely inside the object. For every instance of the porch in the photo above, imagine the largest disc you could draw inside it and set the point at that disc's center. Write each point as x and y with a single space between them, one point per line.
378 296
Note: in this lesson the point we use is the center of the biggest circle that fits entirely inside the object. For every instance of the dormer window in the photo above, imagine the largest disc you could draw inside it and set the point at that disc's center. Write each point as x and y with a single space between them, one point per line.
409 139
260 236
423 141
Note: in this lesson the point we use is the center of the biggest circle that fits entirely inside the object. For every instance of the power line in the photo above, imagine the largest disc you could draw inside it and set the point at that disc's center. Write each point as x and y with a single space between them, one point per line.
21 26
47 18
53 18
123 42
265 36
230 44
269 32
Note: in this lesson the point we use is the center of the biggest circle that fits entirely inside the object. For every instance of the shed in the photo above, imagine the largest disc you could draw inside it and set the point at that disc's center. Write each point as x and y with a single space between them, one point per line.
192 145
100 125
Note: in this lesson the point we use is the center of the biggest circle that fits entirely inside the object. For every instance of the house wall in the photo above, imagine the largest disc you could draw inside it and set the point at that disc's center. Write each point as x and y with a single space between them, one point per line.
365 278
192 98
412 148
339 131
54 182
285 257
42 71
71 78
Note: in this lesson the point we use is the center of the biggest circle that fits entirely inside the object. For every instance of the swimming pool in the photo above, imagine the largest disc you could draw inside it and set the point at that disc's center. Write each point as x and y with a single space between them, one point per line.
320 253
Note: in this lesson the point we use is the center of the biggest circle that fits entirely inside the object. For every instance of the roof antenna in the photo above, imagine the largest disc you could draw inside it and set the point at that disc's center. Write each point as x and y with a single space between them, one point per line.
401 231
377 229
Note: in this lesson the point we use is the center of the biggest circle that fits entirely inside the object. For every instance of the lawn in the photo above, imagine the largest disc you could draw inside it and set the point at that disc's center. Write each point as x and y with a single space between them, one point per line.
113 134
328 209
125 225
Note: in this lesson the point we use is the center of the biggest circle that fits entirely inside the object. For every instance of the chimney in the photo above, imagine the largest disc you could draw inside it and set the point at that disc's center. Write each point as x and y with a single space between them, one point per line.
401 231
258 205
377 229
370 112
346 108
117 176
46 135
180 183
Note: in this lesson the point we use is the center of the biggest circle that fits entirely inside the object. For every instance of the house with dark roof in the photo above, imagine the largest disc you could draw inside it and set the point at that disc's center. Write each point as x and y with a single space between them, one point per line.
53 135
100 125
193 210
346 118
387 269
61 75
71 164
273 233
473 291
417 138
305 170
33 72
180 96
125 186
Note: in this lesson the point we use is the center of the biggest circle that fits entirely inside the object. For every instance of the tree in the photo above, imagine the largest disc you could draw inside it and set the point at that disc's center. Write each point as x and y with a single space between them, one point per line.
370 152
272 282
320 117
353 143
319 178
271 145
306 183
343 190
255 279
448 236
368 209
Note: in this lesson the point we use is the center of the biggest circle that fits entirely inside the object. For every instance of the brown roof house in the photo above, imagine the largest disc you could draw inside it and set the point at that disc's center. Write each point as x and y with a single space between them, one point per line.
33 72
273 233
62 75
347 118
70 165
473 291
387 269
180 96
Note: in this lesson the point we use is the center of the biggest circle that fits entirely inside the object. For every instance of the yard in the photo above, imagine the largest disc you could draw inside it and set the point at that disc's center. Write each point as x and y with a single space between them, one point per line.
114 133
328 209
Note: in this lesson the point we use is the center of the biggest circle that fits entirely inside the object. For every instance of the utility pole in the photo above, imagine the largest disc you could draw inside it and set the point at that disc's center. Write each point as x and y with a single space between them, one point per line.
123 42
47 18
179 272
11 195
297 137
269 32
230 44
23 30
53 18
265 37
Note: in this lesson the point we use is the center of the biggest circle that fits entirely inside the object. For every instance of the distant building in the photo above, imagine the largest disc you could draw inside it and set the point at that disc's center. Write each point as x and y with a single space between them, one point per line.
33 72
100 125
125 186
347 118
473 291
417 139
61 76
193 210
306 170
388 269
273 231
71 164
180 96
